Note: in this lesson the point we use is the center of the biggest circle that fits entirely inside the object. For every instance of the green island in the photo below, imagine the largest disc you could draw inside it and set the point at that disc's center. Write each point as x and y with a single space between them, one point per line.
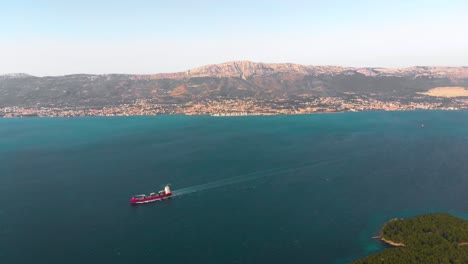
430 238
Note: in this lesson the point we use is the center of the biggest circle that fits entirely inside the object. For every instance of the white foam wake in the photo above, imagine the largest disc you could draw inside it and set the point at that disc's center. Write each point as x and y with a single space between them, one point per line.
250 176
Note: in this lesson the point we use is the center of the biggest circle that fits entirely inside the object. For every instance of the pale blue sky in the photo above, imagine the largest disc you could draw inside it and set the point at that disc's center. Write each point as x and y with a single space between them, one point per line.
150 36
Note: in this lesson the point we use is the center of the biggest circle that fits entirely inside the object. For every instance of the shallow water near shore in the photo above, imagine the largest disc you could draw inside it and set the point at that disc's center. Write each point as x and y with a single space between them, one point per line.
308 188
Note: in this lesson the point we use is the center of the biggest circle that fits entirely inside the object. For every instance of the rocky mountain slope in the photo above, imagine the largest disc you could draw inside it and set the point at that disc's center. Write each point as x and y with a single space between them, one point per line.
241 79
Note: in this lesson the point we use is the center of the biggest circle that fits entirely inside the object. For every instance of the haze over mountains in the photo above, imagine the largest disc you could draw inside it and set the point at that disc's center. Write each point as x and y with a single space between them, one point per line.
231 80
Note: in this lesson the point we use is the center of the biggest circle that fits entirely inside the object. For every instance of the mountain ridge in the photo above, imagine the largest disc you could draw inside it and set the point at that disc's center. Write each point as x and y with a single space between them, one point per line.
272 84
245 68
16 75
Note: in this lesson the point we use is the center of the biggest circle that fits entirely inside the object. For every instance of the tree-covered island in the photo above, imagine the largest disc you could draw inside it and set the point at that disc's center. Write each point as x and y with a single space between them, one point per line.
430 238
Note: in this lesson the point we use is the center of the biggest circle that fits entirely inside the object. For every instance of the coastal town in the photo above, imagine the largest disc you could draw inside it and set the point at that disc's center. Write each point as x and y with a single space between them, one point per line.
236 88
240 107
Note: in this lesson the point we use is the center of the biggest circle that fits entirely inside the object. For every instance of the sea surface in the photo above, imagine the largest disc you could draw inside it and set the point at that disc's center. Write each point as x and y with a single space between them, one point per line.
278 189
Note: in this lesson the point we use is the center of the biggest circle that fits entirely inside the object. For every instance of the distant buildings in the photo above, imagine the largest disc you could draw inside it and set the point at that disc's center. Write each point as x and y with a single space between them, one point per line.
236 107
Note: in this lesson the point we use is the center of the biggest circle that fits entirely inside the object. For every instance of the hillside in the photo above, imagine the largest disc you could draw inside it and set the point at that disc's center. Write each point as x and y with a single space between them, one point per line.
241 80
431 238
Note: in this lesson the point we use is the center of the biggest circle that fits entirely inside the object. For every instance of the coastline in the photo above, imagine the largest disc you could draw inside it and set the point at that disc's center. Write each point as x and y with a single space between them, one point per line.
388 241
392 243
237 107
227 115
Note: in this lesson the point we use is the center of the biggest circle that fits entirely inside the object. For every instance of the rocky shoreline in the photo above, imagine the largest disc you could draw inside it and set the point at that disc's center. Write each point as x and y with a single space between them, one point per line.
392 243
388 241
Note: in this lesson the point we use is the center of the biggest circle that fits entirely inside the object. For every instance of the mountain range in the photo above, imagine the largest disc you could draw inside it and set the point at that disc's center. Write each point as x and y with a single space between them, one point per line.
231 80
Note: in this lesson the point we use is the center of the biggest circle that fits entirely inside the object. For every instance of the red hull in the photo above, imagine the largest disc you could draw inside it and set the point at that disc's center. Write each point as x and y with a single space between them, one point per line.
149 199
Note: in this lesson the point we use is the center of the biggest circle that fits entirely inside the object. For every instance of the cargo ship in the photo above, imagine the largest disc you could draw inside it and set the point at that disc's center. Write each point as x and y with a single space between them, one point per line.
152 197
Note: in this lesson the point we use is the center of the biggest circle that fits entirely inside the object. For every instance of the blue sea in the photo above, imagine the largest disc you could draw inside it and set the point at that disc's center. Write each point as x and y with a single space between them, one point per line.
277 189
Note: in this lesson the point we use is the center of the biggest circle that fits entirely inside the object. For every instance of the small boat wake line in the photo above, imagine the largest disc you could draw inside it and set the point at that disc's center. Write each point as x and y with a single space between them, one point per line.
249 177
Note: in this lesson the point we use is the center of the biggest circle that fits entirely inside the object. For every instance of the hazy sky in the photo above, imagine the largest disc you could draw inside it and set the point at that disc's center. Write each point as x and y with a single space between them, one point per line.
150 36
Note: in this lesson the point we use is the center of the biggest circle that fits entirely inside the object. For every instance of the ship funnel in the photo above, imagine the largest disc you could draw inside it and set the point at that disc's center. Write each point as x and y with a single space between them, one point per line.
167 189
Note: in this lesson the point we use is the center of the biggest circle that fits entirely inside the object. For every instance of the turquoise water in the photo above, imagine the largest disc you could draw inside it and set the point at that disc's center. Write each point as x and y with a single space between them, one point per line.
308 189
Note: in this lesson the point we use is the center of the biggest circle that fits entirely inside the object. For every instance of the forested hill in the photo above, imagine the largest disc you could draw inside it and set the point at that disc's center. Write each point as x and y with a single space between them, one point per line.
431 238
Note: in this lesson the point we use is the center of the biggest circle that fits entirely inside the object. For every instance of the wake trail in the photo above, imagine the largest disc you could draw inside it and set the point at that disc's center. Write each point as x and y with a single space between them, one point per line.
250 176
